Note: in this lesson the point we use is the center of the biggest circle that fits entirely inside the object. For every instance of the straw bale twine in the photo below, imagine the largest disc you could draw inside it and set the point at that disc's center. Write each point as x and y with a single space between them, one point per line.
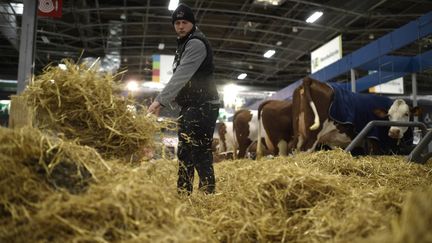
80 103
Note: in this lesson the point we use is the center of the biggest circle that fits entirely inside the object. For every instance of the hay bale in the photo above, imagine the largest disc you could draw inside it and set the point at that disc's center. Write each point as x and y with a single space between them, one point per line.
81 104
20 114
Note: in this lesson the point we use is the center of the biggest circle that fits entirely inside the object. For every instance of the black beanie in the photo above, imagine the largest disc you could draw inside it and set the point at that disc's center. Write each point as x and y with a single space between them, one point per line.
183 12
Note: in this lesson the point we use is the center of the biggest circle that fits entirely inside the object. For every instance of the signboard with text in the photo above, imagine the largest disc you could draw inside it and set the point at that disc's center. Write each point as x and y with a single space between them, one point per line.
395 86
326 54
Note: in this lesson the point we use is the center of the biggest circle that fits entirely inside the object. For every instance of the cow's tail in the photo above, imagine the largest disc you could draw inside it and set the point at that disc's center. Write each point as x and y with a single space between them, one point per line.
306 85
260 126
235 141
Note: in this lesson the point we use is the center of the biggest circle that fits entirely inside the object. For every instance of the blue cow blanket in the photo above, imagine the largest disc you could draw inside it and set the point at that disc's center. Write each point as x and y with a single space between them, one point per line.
357 109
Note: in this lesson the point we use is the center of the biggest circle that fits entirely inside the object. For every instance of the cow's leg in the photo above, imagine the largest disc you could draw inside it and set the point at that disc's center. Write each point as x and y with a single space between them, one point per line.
311 145
283 148
242 151
299 143
373 147
251 150
235 148
291 146
269 145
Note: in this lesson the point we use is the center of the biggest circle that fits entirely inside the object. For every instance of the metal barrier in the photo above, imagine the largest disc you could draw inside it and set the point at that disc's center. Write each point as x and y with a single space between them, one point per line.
416 155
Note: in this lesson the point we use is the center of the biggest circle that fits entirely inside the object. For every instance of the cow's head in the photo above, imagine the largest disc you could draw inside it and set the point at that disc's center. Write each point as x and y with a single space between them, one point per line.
400 112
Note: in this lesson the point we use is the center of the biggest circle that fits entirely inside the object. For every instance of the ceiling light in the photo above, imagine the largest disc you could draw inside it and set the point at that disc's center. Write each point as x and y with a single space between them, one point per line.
294 29
242 76
271 2
45 39
371 36
314 17
279 43
161 46
269 53
173 4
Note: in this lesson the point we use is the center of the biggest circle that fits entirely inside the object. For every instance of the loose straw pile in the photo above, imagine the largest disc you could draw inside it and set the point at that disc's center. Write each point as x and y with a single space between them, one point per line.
318 197
81 104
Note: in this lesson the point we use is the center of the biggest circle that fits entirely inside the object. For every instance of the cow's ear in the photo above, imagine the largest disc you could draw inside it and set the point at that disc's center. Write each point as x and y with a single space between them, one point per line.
416 111
381 113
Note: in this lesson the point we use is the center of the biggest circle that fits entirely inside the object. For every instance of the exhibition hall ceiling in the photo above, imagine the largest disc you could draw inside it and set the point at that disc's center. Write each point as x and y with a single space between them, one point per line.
129 32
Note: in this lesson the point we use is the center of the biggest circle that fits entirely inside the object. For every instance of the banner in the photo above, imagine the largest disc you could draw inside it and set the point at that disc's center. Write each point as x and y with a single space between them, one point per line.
162 68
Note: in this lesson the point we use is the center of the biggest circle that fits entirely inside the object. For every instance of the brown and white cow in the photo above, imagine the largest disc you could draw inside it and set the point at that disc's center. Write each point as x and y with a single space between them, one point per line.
276 120
226 137
223 142
315 106
245 124
399 111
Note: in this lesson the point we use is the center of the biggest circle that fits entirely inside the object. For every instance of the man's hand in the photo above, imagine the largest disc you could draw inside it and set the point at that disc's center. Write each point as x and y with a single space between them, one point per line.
154 108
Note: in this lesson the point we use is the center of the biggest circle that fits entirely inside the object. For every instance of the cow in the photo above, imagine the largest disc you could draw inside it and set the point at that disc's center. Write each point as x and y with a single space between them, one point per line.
399 111
327 114
223 141
226 137
275 116
245 124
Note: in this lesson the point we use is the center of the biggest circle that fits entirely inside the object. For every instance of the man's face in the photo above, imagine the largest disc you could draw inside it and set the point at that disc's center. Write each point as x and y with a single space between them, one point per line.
182 27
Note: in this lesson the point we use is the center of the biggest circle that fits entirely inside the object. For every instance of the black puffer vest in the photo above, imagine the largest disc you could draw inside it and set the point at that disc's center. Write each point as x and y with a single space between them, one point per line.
201 87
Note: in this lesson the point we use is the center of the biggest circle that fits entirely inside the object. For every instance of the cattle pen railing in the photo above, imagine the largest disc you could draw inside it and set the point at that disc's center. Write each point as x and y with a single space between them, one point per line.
416 154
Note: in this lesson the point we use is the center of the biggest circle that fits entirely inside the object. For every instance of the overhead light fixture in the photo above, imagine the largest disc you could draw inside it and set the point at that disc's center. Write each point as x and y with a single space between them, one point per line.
279 43
371 36
45 39
161 46
271 2
314 17
173 4
242 76
294 29
269 53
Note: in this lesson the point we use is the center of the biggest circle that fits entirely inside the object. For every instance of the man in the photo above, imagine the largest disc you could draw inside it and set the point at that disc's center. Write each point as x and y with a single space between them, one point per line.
192 87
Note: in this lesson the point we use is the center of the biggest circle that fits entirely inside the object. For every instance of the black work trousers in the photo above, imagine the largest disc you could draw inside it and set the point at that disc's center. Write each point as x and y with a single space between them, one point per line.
195 133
